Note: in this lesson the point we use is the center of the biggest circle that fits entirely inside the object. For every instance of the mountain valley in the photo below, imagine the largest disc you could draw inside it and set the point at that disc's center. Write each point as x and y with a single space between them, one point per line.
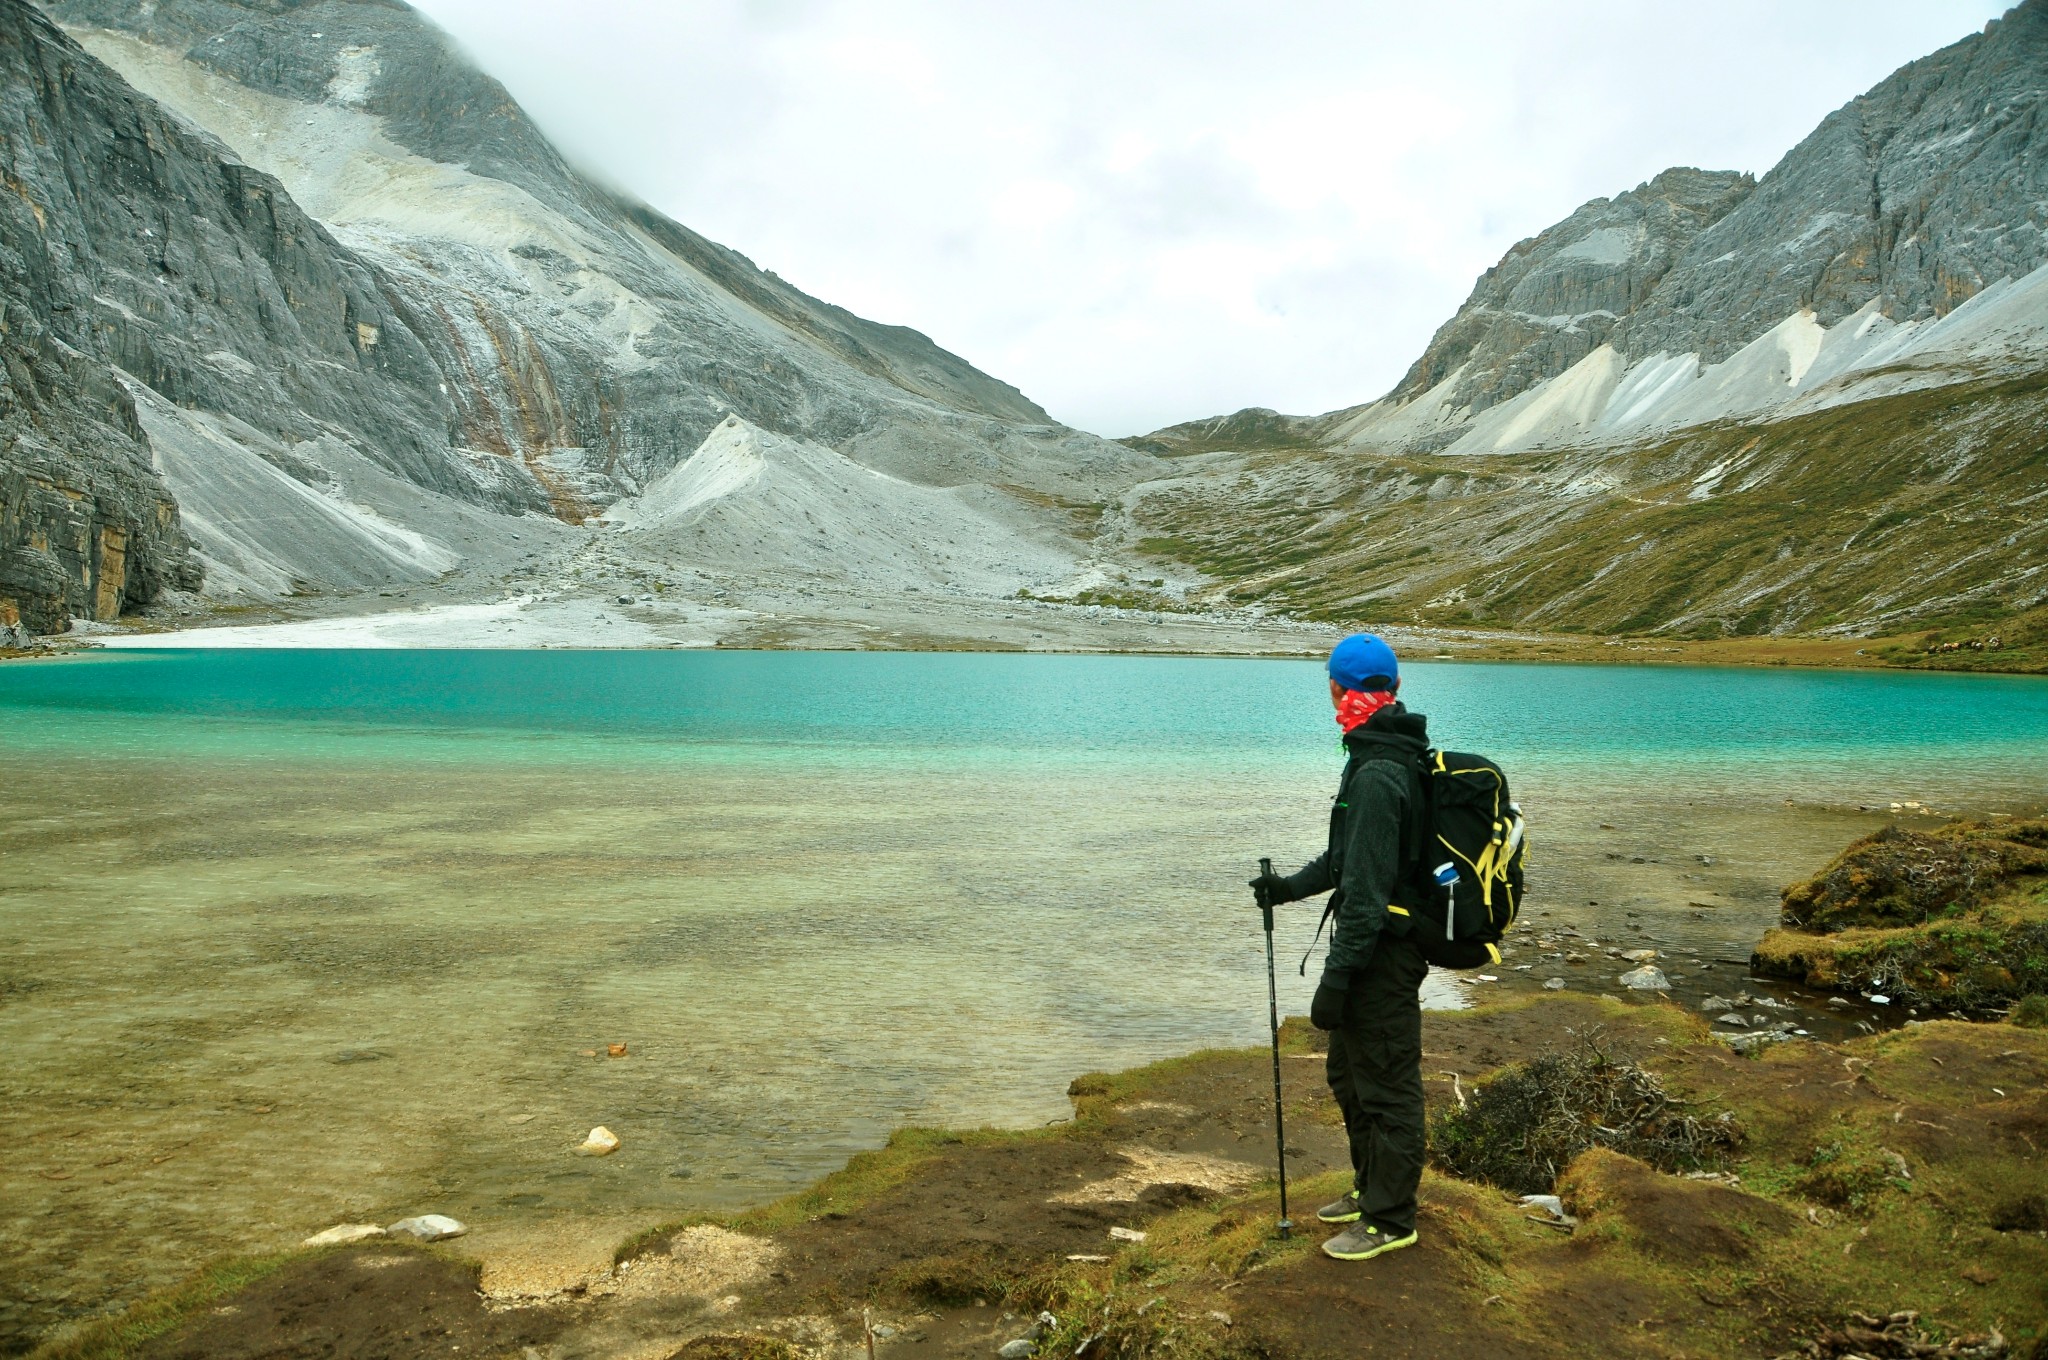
307 322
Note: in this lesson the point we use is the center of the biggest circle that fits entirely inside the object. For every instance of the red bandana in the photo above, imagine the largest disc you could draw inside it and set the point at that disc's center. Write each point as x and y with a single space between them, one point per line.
1358 705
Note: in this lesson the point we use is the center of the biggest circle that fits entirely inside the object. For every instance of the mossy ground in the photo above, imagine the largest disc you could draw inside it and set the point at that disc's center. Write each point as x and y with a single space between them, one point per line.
1955 918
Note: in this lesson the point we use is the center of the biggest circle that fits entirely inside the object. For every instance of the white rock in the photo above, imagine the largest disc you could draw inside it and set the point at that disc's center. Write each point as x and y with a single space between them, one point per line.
1640 955
1127 1234
1646 979
1018 1349
602 1142
1554 985
428 1228
1731 1018
342 1233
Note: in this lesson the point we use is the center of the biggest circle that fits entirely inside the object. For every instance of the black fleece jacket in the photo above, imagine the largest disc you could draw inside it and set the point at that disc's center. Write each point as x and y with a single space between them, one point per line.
1375 801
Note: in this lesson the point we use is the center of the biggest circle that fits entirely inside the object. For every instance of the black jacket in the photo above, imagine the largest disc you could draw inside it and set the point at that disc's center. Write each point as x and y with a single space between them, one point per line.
1378 798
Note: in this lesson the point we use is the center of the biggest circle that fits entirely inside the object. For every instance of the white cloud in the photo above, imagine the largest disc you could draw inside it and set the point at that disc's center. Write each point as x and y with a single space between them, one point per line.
1145 212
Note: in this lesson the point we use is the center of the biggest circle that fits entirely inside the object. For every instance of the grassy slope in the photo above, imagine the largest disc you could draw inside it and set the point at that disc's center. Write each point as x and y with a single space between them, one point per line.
1915 519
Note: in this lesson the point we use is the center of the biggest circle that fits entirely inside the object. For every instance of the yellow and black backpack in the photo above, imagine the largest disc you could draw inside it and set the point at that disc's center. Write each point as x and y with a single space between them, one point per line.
1465 879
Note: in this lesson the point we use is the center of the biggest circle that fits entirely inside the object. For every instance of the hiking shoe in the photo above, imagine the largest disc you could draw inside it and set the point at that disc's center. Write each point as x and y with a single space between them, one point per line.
1362 1243
1344 1210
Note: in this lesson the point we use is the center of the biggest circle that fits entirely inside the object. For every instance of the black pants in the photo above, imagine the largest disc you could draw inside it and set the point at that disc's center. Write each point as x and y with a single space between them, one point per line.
1375 1072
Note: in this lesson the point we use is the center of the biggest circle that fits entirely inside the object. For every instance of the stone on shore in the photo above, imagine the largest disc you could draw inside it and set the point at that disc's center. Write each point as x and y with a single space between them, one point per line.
1018 1349
602 1142
343 1233
1646 979
428 1228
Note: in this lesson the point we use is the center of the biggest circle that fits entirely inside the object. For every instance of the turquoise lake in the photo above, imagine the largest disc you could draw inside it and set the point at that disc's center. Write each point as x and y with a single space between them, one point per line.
290 938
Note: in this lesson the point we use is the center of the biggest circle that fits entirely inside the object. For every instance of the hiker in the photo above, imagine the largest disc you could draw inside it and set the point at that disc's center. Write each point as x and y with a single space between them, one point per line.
1369 998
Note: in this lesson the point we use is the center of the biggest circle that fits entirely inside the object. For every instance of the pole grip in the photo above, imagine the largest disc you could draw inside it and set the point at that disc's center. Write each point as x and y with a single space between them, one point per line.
1266 908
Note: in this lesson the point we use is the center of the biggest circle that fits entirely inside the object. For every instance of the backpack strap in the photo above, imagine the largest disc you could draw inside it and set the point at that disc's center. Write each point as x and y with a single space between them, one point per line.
1351 763
1414 832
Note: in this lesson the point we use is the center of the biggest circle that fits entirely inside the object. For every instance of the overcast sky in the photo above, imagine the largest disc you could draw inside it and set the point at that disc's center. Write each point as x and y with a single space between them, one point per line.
1146 211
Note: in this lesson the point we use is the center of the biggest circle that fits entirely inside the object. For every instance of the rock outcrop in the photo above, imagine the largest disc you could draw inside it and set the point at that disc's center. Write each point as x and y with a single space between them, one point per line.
1557 297
1905 235
86 525
1920 194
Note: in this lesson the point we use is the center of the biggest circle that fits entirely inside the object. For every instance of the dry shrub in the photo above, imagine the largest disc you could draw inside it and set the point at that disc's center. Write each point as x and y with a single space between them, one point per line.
1902 878
1897 1336
1525 1125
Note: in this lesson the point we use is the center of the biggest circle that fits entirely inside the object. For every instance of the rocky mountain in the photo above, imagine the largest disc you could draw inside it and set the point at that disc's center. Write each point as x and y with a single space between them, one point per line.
339 298
1700 296
1558 296
1708 407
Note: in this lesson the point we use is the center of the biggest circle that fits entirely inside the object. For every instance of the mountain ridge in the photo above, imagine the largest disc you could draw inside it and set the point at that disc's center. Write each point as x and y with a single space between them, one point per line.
432 316
1911 198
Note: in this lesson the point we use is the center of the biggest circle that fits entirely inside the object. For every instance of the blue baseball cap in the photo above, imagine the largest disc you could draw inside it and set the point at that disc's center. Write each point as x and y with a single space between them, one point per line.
1363 661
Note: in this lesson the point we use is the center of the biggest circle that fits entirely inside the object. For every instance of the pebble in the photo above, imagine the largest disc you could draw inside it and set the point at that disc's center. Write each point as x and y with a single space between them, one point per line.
1646 979
1126 1234
1710 1004
1640 955
342 1233
602 1142
1731 1018
1554 985
428 1228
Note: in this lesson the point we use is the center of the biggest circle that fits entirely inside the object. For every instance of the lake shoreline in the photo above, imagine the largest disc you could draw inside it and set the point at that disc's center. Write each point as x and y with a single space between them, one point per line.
1146 1220
381 916
786 617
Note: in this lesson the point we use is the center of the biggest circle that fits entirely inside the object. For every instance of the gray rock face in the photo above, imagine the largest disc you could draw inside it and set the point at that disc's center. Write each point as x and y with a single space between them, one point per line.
1919 194
271 245
86 526
1922 192
635 365
1556 297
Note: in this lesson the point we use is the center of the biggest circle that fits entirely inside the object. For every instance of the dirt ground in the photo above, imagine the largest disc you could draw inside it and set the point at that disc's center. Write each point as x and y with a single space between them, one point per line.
1898 1171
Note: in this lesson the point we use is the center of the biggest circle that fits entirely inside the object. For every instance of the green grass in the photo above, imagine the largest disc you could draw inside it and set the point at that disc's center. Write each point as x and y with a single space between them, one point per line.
1904 515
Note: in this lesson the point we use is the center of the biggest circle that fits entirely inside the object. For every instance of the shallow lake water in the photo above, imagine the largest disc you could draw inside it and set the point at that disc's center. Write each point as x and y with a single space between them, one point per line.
295 938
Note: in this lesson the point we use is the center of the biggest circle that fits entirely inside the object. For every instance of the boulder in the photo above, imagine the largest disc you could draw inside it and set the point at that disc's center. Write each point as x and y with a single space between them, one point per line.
428 1228
1646 979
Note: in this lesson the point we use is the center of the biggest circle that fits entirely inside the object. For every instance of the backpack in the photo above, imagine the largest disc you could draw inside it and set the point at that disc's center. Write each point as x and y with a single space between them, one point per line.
1465 874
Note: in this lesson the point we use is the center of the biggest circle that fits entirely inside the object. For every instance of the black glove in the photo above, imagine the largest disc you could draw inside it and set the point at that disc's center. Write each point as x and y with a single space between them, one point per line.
1326 1012
1270 890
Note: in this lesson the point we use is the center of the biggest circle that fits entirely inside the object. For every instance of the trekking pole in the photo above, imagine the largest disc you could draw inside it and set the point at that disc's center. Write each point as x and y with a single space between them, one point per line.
1273 1016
